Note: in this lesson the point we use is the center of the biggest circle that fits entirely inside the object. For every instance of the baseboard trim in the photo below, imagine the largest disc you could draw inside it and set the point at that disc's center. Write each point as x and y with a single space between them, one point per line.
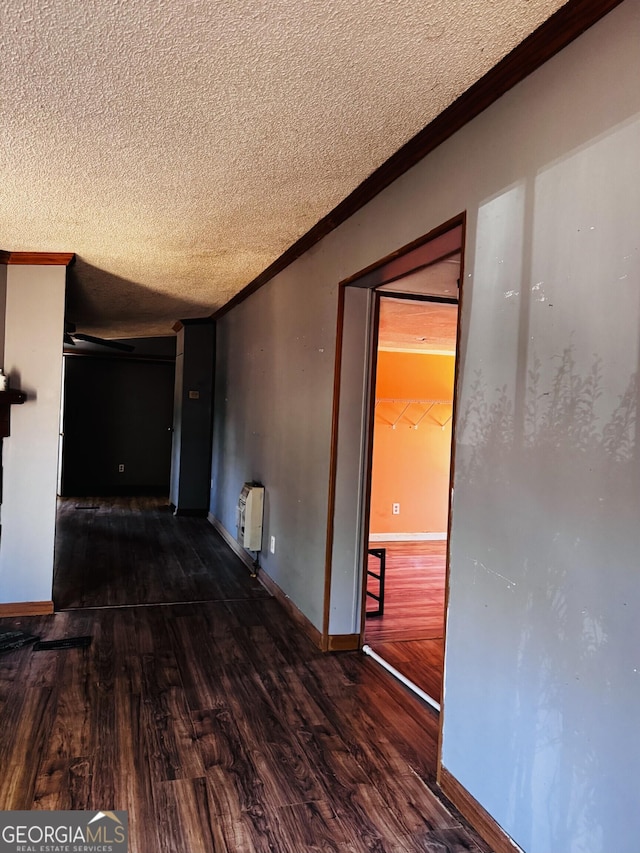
292 610
343 642
26 608
334 643
232 542
191 513
407 537
326 643
477 815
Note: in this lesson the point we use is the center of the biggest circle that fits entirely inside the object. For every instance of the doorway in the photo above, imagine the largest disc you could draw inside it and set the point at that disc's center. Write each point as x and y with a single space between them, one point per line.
114 462
410 483
428 274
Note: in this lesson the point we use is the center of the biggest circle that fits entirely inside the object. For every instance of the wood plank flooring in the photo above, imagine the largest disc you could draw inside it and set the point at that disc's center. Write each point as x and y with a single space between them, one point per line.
409 635
132 550
414 592
421 661
219 727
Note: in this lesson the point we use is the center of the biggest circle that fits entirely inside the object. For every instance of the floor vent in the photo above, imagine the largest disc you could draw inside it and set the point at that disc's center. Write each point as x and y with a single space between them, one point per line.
67 643
10 640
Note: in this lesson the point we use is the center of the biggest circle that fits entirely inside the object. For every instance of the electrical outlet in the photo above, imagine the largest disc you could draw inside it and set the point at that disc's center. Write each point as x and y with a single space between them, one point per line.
121 468
395 509
272 545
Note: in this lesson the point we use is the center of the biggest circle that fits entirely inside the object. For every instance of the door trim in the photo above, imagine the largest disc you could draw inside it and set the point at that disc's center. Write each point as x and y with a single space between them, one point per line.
373 277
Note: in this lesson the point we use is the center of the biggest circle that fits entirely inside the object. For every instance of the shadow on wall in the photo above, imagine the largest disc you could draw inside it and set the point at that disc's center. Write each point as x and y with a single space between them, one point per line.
562 419
98 301
553 513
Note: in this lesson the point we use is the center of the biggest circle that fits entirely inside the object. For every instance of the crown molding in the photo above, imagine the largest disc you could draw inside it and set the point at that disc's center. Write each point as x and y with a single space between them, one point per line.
558 31
43 259
194 321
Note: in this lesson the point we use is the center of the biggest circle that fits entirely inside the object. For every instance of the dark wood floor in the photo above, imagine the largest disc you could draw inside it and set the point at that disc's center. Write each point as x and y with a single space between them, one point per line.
421 661
132 550
409 634
414 592
218 727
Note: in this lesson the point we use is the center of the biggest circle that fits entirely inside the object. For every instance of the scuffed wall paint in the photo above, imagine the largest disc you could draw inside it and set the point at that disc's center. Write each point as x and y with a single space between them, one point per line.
541 694
547 494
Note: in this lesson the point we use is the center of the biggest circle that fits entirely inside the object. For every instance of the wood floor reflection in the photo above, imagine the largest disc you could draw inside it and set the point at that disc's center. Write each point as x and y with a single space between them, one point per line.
120 551
217 725
409 634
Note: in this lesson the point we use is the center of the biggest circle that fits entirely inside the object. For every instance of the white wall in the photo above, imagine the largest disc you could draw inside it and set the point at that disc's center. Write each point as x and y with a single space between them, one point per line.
542 691
33 360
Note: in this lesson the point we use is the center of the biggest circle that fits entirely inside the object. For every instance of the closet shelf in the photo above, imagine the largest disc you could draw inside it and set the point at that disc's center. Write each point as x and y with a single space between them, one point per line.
426 409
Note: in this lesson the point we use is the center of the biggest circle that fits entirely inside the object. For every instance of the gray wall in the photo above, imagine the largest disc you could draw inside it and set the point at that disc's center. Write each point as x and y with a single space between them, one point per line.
542 692
349 535
272 422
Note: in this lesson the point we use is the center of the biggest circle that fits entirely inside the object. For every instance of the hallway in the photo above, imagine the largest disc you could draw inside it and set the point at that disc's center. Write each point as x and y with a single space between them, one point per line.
216 725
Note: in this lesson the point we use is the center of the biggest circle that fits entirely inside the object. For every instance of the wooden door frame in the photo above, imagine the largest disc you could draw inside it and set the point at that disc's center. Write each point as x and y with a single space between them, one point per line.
379 295
392 267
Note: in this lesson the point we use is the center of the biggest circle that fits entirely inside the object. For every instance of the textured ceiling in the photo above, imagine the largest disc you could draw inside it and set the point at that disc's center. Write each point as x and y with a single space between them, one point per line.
409 325
180 147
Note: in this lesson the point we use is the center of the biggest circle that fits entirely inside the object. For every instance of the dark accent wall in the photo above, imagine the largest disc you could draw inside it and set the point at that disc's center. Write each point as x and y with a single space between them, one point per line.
117 411
192 416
